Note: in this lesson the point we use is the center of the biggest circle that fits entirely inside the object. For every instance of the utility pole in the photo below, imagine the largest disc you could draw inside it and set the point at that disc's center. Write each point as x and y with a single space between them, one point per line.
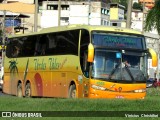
129 12
36 16
3 41
59 13
89 12
143 17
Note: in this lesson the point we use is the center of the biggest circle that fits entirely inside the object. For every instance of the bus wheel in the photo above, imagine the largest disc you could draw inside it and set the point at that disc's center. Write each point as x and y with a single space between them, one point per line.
19 90
28 90
72 91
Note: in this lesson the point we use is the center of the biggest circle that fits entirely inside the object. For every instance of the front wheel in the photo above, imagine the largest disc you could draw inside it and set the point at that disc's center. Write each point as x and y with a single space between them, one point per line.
19 90
28 90
72 92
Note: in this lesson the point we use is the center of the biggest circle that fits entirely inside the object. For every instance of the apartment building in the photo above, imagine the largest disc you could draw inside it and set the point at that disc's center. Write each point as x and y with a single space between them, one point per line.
72 12
93 12
117 15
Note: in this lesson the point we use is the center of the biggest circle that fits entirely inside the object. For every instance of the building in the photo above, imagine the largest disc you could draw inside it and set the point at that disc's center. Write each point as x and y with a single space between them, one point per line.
93 12
136 19
27 23
117 15
23 1
72 12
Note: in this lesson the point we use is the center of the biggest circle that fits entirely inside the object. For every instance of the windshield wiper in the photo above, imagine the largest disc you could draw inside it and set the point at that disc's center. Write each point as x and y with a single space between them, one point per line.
112 72
129 72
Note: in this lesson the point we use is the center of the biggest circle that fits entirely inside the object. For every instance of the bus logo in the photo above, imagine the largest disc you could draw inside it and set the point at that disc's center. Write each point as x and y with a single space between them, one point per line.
6 114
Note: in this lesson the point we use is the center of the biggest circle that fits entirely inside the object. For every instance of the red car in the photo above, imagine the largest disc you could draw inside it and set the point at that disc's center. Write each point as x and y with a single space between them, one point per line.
156 83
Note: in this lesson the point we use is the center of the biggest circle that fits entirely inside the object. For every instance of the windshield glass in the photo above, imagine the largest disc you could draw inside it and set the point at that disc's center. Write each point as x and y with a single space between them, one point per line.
115 66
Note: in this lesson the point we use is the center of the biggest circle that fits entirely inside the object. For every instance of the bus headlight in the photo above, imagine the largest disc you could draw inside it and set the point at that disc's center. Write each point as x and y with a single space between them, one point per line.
140 90
98 87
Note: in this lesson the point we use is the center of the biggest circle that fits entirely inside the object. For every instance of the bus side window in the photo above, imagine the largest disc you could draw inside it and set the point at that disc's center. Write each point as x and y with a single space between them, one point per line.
14 47
41 44
15 52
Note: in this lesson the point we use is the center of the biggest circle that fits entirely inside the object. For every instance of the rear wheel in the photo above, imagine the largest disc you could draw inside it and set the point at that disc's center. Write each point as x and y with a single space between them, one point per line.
72 92
19 90
28 90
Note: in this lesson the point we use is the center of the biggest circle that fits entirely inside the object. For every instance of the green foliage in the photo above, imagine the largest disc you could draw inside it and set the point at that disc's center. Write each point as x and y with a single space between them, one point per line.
153 18
150 103
124 3
115 1
11 103
137 6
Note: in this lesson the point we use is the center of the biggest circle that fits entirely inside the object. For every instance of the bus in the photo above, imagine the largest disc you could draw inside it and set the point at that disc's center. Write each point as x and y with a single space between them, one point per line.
77 61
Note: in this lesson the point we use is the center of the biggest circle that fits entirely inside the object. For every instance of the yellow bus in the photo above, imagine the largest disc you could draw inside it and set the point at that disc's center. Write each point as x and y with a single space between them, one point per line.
77 61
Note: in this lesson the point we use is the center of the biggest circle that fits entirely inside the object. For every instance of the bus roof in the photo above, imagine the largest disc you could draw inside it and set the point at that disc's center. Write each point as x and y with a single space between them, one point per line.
87 27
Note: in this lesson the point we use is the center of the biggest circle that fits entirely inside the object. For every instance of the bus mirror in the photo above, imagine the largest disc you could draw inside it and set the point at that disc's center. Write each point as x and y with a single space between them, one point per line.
154 57
90 52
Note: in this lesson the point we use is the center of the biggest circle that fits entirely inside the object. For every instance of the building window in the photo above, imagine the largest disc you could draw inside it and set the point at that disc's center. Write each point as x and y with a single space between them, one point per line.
114 24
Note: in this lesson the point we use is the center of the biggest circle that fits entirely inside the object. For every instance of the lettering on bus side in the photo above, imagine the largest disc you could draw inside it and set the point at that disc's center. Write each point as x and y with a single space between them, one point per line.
53 64
39 65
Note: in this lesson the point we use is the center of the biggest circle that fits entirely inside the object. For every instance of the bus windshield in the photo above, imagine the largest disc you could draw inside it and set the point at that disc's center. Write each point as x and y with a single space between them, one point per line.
128 68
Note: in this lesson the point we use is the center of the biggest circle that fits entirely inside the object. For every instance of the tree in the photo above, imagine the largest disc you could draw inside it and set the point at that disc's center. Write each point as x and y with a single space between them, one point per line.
153 18
153 22
137 6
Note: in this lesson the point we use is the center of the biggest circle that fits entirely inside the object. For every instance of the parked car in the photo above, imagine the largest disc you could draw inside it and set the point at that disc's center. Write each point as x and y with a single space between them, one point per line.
150 82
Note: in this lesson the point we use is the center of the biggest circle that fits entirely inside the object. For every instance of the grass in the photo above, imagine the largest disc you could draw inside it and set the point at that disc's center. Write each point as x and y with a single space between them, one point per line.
150 103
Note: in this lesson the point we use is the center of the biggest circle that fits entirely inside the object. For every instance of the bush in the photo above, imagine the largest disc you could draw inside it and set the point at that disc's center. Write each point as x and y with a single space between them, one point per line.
153 91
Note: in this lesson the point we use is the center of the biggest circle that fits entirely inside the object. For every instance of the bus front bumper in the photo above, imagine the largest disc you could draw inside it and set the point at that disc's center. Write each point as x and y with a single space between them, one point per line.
116 94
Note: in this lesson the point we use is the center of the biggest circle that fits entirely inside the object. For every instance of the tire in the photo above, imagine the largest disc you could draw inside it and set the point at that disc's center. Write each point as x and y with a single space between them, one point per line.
72 91
19 90
28 90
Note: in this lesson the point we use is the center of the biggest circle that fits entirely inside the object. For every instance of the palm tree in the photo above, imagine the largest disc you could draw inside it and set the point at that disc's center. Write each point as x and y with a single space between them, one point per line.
153 18
153 22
